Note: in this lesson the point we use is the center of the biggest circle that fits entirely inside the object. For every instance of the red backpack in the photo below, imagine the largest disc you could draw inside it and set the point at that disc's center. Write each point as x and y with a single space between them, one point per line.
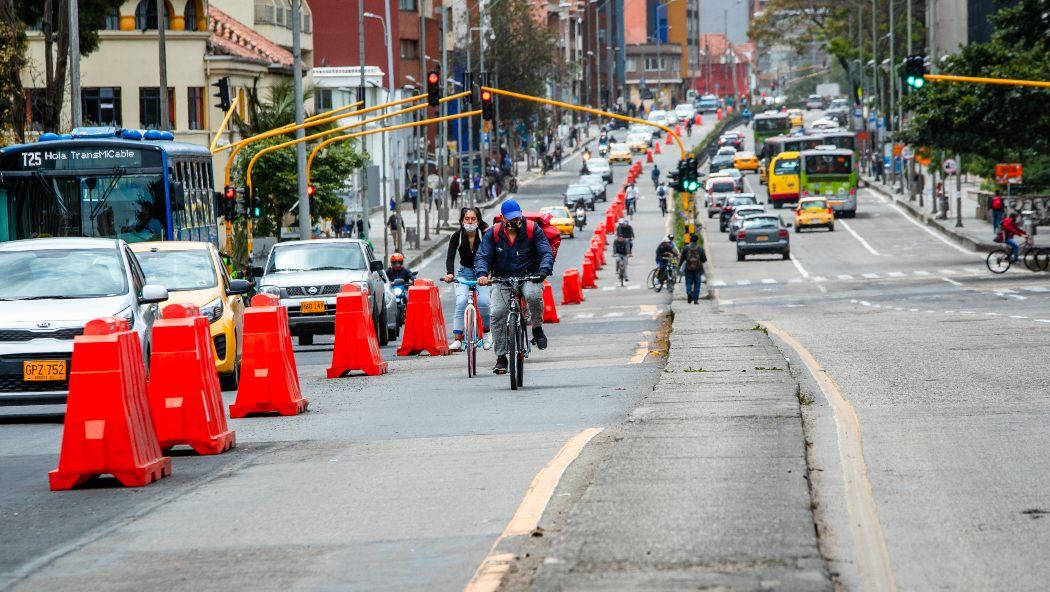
533 219
997 203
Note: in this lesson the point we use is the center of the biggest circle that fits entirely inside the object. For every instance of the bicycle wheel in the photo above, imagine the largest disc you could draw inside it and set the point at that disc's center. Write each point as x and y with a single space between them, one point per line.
1043 259
620 271
513 348
998 261
1031 258
523 338
470 339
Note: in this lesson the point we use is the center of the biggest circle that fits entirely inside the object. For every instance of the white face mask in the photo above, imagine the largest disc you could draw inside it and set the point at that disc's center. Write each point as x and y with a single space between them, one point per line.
470 227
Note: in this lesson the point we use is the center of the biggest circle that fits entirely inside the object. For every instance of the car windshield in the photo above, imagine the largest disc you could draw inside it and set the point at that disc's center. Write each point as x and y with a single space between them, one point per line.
61 273
179 270
578 190
786 166
722 187
316 257
815 204
739 201
683 109
746 211
761 222
557 212
592 180
727 150
636 138
619 148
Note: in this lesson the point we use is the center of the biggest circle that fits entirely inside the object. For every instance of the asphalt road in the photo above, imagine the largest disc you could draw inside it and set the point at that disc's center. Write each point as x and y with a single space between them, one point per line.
944 364
397 482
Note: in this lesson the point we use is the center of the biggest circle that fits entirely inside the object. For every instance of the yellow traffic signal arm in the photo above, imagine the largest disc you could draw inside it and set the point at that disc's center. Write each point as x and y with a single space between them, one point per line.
363 122
313 153
572 107
982 80
225 121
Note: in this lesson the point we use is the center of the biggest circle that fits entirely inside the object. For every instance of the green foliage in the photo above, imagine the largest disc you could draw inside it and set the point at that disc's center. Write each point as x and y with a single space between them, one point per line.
993 123
274 180
523 55
13 46
278 108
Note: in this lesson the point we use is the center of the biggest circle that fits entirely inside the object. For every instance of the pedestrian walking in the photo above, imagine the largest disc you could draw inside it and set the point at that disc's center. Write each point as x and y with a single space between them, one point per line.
692 268
998 209
395 225
454 191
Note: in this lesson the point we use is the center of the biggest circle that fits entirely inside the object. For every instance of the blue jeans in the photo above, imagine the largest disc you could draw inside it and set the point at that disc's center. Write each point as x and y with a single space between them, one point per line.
462 293
997 220
1013 248
692 285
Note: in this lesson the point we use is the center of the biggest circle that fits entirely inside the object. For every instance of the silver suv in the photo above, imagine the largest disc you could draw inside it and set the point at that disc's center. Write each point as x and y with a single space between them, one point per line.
52 287
308 275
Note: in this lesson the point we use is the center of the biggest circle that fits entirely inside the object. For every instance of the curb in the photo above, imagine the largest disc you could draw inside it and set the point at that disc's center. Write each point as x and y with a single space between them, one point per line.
931 221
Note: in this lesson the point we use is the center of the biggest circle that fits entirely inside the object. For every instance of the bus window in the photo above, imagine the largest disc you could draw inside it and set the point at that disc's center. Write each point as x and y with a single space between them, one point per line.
828 164
786 166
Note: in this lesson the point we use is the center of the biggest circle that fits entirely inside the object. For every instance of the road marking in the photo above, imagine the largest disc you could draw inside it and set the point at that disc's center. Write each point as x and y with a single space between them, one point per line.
634 287
931 231
971 270
921 272
614 314
845 276
795 281
859 238
870 276
913 310
490 573
743 282
951 281
640 353
718 283
801 270
1042 320
991 314
769 281
895 274
865 303
946 271
822 289
869 545
1017 317
1036 289
608 288
585 315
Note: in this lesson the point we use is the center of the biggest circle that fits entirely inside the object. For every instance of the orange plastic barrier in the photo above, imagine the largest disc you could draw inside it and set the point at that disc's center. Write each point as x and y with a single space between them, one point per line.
571 291
698 120
550 313
648 156
269 380
184 394
656 147
667 139
588 277
108 429
677 129
424 329
610 221
356 344
599 255
718 114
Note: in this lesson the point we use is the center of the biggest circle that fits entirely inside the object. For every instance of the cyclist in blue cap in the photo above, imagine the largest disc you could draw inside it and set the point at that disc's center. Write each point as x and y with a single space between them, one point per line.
515 247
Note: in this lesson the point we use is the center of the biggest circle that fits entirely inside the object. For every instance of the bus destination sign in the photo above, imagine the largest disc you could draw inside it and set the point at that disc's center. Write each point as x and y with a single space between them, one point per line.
79 158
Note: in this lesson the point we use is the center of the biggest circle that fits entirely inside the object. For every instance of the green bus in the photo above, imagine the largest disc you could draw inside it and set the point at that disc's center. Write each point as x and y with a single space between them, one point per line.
768 124
830 173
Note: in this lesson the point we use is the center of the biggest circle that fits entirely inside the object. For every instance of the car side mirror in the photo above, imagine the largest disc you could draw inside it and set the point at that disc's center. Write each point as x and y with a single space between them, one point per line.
153 293
376 266
238 287
255 272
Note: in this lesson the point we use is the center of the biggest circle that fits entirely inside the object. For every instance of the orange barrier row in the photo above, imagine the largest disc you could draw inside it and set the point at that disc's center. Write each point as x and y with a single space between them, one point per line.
356 346
571 290
587 275
550 313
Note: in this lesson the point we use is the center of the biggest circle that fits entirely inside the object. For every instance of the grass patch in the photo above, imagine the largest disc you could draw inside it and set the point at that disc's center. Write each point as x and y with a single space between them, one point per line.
803 398
759 327
769 369
694 370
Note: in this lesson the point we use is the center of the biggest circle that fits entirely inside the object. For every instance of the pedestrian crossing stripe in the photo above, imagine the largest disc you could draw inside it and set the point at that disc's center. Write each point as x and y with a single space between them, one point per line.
769 281
870 276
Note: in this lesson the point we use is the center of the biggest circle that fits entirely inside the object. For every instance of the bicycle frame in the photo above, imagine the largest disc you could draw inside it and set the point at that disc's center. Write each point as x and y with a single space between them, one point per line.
472 334
517 334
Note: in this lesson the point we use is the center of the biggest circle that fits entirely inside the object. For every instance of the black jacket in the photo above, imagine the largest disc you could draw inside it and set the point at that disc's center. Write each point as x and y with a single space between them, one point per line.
459 243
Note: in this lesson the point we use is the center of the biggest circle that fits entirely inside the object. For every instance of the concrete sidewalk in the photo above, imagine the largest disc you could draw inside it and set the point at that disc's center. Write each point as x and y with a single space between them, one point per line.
705 486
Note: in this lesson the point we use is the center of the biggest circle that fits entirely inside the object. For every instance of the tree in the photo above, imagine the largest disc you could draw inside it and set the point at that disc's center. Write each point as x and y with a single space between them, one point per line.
13 46
522 53
278 108
52 16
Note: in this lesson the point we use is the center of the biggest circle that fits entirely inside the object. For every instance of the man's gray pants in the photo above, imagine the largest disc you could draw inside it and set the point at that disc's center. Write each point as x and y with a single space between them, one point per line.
500 303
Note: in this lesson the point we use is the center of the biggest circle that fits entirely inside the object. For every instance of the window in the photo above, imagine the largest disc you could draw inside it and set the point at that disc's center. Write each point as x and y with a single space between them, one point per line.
195 107
190 14
323 99
149 107
265 12
655 64
631 64
101 106
146 15
112 20
307 22
410 49
409 5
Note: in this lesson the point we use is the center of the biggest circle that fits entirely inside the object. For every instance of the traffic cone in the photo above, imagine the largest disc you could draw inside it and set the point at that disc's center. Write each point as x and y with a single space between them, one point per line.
108 429
550 314
269 381
356 344
667 139
184 394
656 147
718 113
610 222
588 277
698 120
424 322
571 292
677 130
648 156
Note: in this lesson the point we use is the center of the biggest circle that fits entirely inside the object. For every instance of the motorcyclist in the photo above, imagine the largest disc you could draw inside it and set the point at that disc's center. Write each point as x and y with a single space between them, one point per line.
580 211
625 231
398 271
515 247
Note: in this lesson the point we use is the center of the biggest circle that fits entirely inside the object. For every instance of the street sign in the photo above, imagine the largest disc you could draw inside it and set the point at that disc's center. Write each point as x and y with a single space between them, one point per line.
908 153
1008 174
950 167
898 149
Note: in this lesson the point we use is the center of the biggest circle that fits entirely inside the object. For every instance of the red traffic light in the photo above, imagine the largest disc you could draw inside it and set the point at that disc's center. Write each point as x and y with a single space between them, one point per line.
433 78
486 95
230 192
310 190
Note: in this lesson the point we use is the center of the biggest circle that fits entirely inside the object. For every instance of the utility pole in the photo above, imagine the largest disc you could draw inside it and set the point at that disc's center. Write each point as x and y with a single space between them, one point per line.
74 64
894 83
388 159
162 25
932 30
362 174
421 145
300 148
875 72
442 151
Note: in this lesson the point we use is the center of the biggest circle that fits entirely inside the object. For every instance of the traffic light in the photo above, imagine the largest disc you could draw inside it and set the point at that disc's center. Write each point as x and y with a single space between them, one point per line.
486 105
223 94
434 89
311 190
229 203
915 71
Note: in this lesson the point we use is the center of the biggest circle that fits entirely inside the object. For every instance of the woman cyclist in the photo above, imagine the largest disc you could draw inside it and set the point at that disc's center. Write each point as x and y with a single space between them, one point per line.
464 243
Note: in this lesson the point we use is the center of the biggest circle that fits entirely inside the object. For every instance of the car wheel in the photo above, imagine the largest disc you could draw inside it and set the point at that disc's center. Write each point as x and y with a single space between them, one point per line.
831 227
381 330
740 256
572 235
306 339
787 255
798 229
230 380
777 205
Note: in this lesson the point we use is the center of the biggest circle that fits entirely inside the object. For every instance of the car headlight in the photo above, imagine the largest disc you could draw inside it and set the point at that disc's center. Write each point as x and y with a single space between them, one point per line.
212 310
274 290
128 314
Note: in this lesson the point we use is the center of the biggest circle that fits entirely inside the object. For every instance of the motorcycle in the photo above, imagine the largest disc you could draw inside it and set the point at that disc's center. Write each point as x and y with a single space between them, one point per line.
603 150
579 215
400 291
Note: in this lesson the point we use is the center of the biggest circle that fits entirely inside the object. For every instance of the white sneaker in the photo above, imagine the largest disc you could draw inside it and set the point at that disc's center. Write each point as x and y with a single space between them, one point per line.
487 343
456 345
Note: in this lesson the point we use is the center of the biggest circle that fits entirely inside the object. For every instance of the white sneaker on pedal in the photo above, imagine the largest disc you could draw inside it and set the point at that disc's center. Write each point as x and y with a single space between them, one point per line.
487 343
455 345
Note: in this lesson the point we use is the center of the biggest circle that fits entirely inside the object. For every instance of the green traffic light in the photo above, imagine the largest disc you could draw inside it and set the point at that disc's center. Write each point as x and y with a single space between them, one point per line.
919 82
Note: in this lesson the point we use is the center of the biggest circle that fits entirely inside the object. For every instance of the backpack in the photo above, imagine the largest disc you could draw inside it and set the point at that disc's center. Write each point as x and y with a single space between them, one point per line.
620 246
694 259
661 192
533 219
997 203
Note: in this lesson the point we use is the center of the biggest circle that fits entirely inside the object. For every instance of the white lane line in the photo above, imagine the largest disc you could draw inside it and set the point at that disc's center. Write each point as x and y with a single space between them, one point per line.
608 288
913 310
769 281
743 282
859 238
946 271
991 314
951 281
931 231
718 283
822 289
845 277
1042 320
1017 317
614 314
795 281
634 287
895 274
921 272
971 270
865 303
870 276
1036 289
585 315
801 270
818 278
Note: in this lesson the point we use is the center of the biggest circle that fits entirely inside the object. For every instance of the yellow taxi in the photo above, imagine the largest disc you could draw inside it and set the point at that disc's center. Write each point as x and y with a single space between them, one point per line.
795 117
813 212
745 161
194 273
619 153
561 219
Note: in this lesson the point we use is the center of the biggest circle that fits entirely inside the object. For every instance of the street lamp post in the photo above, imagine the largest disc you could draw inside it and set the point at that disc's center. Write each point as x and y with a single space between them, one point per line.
300 148
385 22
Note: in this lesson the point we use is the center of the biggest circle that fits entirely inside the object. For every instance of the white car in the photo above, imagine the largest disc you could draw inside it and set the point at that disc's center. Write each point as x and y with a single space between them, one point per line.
726 151
52 287
685 112
658 116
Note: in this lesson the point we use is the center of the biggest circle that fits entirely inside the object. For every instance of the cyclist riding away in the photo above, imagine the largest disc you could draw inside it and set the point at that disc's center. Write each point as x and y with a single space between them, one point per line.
661 195
631 195
625 231
464 244
515 247
398 271
664 249
655 176
1010 230
621 250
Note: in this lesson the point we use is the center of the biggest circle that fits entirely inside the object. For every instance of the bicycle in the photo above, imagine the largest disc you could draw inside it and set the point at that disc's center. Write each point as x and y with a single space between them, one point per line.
666 275
621 268
472 337
1001 259
518 346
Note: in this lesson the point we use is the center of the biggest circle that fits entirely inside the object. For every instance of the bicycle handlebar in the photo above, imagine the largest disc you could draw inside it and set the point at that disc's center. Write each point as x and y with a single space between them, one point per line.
513 281
465 282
